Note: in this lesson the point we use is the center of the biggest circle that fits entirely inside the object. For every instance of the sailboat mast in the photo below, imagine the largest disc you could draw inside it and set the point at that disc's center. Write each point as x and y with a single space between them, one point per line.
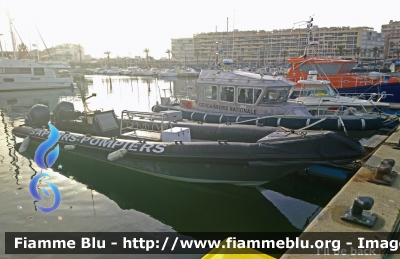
48 52
12 34
233 36
227 40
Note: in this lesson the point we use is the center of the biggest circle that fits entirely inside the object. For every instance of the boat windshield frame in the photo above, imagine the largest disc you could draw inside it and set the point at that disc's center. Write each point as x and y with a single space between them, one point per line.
315 89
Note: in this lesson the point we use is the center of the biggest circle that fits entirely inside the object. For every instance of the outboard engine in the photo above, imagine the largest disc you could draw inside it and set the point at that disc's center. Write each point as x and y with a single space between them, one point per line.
38 116
64 111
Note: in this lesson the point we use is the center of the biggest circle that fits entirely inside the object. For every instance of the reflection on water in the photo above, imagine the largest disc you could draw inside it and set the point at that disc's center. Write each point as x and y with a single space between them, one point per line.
298 212
184 206
101 197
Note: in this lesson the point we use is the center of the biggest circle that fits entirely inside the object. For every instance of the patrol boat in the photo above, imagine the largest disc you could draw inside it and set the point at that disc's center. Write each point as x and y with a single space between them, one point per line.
242 97
175 156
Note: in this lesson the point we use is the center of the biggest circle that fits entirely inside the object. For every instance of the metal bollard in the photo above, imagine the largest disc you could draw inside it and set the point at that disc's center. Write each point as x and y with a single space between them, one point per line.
358 213
384 173
382 170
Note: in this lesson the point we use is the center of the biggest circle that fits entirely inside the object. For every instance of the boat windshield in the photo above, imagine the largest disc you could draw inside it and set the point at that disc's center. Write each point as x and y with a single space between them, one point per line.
248 95
323 89
275 95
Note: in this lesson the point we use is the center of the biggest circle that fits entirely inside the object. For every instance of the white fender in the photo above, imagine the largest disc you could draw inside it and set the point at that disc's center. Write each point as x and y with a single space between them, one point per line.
69 147
120 153
24 145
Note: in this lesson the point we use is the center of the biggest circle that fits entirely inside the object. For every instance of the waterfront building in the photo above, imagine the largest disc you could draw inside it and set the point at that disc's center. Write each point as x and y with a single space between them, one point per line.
392 42
182 50
262 48
64 52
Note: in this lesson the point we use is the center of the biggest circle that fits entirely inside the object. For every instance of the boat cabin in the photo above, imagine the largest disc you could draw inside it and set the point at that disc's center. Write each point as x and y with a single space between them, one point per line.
243 93
30 68
313 87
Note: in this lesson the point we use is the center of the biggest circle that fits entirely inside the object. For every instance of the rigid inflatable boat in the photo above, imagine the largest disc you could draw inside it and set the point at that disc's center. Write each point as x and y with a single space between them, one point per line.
210 161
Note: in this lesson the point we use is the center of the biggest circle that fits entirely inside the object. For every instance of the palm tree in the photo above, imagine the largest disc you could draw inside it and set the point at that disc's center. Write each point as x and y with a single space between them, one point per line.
358 51
22 50
108 57
168 51
79 48
340 49
197 53
375 50
146 50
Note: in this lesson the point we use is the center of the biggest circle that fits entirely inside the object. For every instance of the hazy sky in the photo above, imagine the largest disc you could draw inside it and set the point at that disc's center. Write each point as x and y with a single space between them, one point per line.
130 26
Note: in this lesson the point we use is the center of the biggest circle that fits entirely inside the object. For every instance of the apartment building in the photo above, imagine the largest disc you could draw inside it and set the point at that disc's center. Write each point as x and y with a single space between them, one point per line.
182 50
261 48
392 42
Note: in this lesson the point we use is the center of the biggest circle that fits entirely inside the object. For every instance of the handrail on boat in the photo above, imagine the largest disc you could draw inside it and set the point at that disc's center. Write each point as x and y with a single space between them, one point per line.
149 122
271 116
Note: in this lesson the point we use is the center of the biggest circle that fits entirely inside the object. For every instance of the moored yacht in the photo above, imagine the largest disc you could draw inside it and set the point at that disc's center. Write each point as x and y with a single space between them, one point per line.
23 74
112 71
168 72
320 97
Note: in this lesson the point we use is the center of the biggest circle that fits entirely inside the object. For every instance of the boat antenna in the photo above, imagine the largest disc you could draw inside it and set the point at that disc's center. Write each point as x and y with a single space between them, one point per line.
310 38
48 52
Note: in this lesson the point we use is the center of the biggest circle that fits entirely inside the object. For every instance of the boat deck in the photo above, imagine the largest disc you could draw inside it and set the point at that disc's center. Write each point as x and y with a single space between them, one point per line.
143 135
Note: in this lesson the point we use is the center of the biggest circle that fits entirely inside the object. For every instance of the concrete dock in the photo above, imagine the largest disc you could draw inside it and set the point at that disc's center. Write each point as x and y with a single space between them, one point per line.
386 202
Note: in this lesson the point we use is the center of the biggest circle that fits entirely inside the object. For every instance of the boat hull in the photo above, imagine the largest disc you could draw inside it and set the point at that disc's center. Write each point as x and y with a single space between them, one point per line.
351 123
211 162
168 74
28 84
392 91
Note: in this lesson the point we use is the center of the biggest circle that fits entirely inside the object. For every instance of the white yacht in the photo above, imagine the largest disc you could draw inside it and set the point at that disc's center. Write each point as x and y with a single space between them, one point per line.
143 72
112 71
168 72
189 72
23 74
320 97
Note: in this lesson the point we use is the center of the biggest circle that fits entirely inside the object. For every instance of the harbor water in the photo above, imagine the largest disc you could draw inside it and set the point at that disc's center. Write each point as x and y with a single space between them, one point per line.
100 197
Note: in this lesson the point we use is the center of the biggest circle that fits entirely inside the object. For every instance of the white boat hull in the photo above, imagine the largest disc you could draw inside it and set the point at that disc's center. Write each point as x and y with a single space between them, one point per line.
168 74
28 84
